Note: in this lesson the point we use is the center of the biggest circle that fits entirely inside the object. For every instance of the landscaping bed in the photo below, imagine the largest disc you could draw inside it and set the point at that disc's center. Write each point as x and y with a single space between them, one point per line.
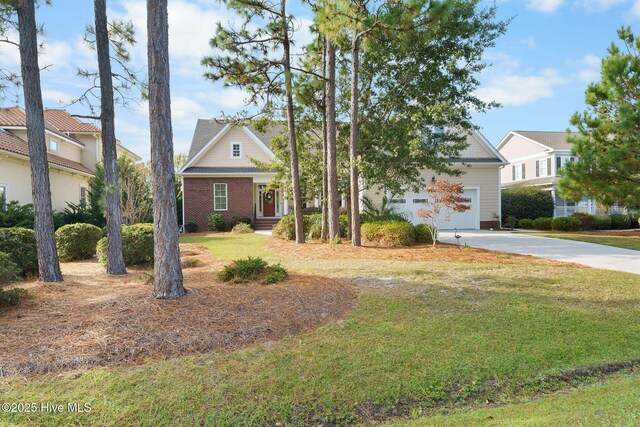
96 319
442 252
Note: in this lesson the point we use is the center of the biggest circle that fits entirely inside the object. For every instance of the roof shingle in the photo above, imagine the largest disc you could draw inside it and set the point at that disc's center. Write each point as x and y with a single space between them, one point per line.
554 140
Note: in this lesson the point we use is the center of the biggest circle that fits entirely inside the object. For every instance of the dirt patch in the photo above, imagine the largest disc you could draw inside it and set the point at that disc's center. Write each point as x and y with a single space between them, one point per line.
95 319
426 253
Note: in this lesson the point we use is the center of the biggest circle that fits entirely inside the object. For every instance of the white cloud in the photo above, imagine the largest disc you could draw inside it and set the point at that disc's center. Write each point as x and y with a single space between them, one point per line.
545 6
529 42
512 89
589 68
55 53
598 5
56 96
635 10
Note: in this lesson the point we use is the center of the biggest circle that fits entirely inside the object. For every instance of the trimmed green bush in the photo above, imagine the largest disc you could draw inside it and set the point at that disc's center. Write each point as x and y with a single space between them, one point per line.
242 228
511 222
215 222
77 241
619 222
422 233
525 223
16 215
20 244
543 223
526 202
389 233
9 271
253 269
312 224
602 222
137 245
587 221
191 227
239 220
566 223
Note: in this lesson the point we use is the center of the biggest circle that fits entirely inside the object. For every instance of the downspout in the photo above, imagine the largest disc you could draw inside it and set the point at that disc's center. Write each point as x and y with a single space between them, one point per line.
183 215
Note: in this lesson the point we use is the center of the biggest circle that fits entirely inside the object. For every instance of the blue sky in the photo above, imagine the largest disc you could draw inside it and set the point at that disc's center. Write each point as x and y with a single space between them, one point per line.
539 72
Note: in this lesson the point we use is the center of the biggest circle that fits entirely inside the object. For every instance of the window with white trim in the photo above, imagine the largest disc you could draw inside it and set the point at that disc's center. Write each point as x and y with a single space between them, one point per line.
3 196
83 196
518 172
220 197
236 150
53 145
543 167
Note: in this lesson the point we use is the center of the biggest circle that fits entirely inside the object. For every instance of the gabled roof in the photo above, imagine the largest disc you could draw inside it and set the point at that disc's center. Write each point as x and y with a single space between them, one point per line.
13 144
496 157
58 122
551 140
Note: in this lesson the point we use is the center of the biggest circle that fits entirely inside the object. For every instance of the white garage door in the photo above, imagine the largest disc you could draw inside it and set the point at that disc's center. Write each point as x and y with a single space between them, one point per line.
410 203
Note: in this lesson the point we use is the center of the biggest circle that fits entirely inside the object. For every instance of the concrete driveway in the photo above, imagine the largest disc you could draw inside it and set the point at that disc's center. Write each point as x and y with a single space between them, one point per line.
590 254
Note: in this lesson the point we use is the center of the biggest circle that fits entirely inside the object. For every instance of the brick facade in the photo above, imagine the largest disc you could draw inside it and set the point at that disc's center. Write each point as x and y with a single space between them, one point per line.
198 199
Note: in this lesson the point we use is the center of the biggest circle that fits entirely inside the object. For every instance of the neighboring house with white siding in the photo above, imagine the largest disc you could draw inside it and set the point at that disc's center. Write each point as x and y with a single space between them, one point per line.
73 149
220 176
535 159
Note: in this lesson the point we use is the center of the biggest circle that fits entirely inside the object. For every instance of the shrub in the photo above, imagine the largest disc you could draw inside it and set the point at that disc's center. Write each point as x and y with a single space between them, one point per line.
389 233
602 222
137 245
191 227
20 244
9 271
15 215
274 274
567 223
242 228
423 234
189 262
312 210
511 222
253 269
312 225
526 202
215 222
239 220
12 296
526 223
543 223
619 222
77 241
587 221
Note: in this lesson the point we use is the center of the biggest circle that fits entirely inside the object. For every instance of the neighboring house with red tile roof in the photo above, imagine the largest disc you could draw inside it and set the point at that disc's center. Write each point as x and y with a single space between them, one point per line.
74 148
221 177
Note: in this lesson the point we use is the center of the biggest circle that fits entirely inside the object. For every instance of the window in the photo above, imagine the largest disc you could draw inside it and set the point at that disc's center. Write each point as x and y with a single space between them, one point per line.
518 172
419 200
398 201
219 197
83 196
53 145
563 160
543 167
3 196
236 151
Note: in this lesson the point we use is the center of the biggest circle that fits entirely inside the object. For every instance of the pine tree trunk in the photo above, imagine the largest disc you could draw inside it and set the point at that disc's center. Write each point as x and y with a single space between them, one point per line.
48 263
332 162
293 148
167 272
349 225
325 220
354 173
115 258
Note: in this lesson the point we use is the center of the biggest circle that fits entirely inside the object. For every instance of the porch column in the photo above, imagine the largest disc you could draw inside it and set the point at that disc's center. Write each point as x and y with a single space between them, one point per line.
553 196
286 202
316 202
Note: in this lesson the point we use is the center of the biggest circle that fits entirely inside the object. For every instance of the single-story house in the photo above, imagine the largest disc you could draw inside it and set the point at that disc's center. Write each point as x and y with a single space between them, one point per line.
219 176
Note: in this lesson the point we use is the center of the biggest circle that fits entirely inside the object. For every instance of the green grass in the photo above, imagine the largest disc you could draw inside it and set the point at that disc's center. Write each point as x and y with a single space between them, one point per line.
626 242
231 246
458 333
614 402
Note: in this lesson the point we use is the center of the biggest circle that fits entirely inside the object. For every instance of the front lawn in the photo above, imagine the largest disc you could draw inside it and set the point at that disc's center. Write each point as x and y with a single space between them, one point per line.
625 242
425 335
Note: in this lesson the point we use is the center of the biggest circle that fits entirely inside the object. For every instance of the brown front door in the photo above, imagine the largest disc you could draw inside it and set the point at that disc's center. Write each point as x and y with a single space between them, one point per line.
269 203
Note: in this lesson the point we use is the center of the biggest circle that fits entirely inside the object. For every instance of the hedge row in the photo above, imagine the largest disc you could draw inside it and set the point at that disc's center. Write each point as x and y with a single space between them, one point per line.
526 203
581 221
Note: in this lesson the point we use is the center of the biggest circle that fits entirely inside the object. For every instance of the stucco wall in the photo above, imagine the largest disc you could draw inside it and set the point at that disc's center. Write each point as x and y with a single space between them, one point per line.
16 174
220 154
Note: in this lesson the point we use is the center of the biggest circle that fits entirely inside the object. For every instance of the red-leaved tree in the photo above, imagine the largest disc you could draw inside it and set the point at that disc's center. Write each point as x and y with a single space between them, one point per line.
445 198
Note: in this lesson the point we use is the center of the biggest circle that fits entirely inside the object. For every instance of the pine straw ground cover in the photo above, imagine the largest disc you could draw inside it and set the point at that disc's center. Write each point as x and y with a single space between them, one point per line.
96 319
442 252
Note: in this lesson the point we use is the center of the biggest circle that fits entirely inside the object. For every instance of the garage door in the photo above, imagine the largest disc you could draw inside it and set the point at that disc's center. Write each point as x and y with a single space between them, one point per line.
410 203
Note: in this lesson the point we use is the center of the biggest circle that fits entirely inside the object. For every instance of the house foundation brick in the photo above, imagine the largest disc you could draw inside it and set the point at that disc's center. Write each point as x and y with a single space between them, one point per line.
198 199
